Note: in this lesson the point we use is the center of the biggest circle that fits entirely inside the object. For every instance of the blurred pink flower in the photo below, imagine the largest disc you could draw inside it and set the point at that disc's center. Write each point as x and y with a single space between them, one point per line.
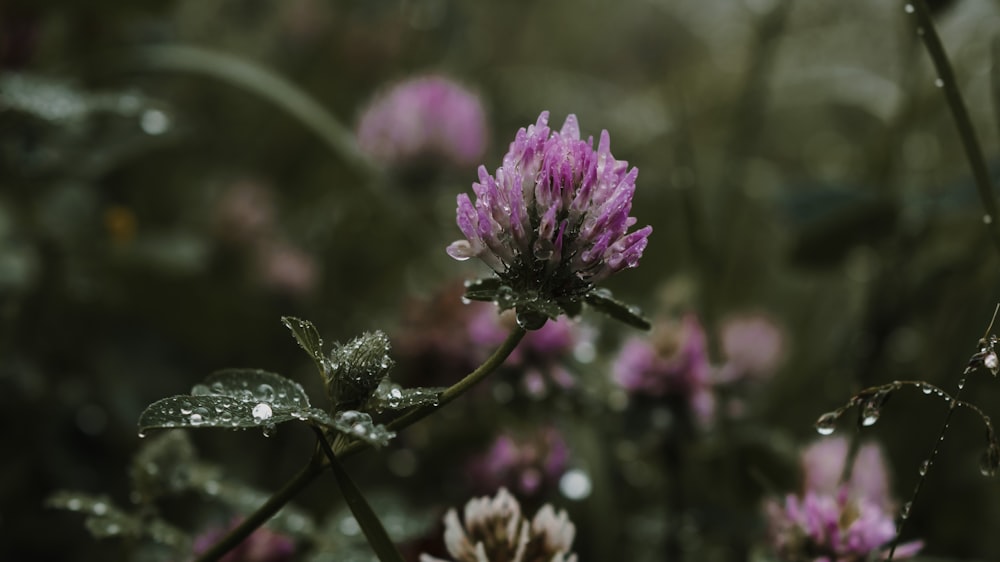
674 362
263 545
833 521
427 116
525 463
541 355
244 212
752 345
285 268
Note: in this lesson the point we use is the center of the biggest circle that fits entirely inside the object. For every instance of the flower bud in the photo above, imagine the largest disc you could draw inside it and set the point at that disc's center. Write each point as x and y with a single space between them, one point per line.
356 369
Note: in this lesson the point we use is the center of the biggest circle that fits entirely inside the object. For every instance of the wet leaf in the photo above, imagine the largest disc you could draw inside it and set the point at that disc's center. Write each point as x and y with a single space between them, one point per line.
483 289
233 398
309 339
602 300
391 396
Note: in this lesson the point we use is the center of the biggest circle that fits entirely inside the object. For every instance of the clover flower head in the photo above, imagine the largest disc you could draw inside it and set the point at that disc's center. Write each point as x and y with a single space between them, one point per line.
832 521
495 530
672 362
553 220
428 116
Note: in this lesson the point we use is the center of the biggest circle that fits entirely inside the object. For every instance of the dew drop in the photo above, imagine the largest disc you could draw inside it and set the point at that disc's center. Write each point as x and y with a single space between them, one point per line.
99 508
939 83
904 512
926 389
186 408
827 423
909 8
218 388
987 219
991 362
261 412
961 383
142 434
226 416
924 467
531 320
264 393
200 390
74 504
268 429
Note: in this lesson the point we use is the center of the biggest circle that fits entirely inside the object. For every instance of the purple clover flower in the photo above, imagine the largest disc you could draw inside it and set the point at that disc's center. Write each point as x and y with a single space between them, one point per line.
527 464
674 363
833 521
553 221
428 116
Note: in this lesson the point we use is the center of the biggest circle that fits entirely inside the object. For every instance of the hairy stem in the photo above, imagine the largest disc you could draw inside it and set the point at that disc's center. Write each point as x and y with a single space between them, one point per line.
949 86
319 463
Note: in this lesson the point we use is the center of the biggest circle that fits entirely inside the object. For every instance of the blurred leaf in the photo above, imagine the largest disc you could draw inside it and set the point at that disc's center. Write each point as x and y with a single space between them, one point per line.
309 339
391 396
376 534
162 466
602 300
104 520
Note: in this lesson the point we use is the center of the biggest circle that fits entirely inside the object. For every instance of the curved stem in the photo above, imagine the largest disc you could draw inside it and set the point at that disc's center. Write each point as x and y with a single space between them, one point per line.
319 463
291 488
266 84
946 80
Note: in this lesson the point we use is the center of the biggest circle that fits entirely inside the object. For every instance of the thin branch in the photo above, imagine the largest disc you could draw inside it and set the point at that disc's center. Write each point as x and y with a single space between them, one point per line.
924 27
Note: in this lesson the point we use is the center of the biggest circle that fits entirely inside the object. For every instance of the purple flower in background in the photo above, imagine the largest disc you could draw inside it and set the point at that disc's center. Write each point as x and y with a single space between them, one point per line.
833 521
672 362
553 220
495 530
263 545
429 116
527 464
752 345
542 354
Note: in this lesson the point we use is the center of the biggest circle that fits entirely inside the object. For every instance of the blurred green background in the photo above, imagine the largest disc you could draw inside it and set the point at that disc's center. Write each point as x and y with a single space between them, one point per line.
795 158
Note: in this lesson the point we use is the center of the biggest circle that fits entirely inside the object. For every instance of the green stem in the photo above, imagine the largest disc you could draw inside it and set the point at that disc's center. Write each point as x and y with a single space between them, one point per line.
946 76
291 488
319 463
378 537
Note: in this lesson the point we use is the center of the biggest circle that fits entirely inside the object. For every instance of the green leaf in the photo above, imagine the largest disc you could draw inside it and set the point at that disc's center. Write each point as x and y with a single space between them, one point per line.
233 398
363 513
483 289
391 396
602 300
309 339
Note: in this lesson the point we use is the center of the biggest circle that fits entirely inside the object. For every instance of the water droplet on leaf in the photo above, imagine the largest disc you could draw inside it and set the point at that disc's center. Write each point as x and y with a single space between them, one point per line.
261 412
264 393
